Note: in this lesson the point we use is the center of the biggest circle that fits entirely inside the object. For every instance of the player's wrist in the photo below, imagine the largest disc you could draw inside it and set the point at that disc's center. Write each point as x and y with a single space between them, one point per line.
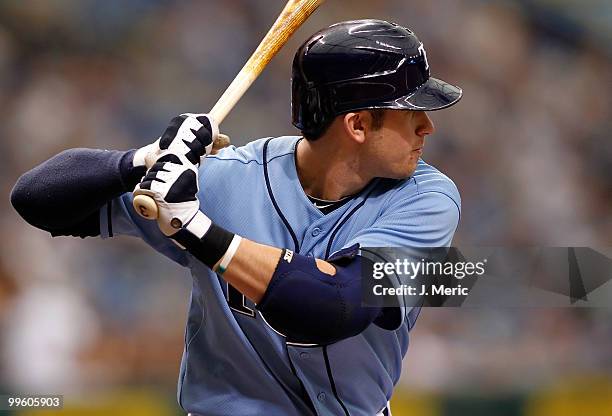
130 172
207 241
222 265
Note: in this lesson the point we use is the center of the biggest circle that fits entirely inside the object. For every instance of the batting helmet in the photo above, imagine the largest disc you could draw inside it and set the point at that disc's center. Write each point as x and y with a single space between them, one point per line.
362 64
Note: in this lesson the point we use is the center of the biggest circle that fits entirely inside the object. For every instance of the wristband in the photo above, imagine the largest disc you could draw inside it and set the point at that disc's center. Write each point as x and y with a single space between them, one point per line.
229 254
210 247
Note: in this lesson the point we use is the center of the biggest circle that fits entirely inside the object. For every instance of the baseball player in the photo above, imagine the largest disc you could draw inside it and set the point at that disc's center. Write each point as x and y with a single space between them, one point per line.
271 231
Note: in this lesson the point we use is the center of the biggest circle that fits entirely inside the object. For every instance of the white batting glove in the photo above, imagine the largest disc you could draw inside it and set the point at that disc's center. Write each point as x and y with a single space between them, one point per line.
188 135
173 183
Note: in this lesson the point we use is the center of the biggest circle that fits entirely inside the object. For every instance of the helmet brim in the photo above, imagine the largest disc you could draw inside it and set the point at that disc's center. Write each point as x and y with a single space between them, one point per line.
434 94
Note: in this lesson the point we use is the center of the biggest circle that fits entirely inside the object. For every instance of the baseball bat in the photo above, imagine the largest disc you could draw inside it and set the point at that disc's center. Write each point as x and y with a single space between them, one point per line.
290 19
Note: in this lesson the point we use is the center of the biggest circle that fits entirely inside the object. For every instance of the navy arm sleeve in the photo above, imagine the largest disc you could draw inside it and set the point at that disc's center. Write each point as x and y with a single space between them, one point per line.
64 194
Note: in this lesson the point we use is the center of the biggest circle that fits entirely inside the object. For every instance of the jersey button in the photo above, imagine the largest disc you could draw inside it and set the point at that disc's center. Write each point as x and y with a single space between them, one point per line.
316 231
304 355
321 396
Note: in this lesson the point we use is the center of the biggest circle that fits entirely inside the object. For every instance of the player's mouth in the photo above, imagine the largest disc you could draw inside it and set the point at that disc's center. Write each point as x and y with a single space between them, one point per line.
418 151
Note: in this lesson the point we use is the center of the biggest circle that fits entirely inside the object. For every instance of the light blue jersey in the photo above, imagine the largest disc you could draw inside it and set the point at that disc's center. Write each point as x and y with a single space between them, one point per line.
233 362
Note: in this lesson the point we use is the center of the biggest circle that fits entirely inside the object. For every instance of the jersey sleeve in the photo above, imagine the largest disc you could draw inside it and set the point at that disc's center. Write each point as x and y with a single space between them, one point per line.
118 217
425 220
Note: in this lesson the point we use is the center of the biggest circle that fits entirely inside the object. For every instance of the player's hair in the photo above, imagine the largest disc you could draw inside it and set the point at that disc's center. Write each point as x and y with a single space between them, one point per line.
378 116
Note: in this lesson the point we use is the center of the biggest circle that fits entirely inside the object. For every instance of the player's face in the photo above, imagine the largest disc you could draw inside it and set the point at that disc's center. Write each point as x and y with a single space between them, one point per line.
396 147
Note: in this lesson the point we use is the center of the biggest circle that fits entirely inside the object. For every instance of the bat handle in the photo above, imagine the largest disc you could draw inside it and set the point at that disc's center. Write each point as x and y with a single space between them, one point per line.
146 207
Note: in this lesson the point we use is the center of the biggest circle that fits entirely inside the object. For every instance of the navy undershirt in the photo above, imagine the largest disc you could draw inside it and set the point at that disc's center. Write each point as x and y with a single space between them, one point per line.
64 194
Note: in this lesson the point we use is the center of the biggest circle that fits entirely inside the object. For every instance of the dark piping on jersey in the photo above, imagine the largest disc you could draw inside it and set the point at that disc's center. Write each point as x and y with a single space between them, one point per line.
296 245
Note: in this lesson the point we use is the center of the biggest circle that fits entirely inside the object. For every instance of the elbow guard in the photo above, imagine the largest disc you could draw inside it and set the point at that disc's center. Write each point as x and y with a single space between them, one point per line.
308 306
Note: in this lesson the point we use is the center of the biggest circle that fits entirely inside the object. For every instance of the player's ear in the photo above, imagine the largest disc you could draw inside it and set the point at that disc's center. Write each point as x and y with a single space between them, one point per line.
355 125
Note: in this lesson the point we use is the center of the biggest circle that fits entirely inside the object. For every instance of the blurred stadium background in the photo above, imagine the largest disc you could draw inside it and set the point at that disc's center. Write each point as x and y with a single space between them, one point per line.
529 147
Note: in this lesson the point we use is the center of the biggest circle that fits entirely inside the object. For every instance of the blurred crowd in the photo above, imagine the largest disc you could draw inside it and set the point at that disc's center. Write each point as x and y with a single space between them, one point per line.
528 147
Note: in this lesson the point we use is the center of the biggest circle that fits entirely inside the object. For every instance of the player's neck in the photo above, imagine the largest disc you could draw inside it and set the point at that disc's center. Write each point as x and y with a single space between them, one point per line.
328 171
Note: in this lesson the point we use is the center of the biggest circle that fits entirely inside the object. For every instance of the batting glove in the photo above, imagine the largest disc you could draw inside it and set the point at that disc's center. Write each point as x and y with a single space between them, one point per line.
173 183
188 135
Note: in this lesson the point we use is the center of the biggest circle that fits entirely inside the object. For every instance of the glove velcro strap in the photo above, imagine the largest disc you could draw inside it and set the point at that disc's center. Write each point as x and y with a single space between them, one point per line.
199 225
210 248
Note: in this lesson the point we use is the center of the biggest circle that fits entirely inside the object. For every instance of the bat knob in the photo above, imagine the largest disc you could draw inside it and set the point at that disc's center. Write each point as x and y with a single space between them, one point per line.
146 207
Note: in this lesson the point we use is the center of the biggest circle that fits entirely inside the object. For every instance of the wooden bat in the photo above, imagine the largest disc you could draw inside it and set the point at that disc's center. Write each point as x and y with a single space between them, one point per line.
290 19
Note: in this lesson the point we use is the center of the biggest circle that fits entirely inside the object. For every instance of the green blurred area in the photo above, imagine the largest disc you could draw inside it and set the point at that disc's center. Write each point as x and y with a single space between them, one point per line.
586 396
589 396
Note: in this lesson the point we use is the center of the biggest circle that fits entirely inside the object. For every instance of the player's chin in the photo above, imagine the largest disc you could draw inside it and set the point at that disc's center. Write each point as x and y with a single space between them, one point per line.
404 171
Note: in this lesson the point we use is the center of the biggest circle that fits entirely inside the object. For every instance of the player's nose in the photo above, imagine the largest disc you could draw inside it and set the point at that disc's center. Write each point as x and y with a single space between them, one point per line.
424 124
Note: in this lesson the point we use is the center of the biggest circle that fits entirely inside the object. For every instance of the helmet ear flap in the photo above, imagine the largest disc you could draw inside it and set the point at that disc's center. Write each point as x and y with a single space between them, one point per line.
312 106
311 109
317 111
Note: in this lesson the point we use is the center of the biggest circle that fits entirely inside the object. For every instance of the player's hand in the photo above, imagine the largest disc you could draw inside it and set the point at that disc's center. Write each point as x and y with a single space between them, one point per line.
188 135
173 183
